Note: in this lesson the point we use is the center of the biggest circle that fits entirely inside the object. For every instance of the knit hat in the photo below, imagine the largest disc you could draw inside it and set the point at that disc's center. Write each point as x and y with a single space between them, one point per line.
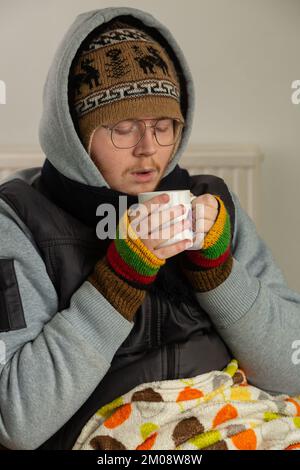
121 72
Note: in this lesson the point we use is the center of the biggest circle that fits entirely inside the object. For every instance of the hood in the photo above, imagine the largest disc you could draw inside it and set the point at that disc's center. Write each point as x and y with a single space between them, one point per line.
57 135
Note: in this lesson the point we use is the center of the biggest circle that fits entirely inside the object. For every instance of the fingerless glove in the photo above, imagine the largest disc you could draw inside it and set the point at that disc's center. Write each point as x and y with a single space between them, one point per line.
208 267
127 270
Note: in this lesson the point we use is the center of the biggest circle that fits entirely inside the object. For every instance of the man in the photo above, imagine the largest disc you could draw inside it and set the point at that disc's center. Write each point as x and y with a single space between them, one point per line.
85 320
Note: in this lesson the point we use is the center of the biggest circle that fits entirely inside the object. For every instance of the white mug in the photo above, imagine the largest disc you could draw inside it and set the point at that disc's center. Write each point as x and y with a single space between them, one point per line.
176 197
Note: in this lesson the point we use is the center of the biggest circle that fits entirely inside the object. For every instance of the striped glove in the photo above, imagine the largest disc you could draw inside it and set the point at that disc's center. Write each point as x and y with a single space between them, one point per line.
208 267
126 272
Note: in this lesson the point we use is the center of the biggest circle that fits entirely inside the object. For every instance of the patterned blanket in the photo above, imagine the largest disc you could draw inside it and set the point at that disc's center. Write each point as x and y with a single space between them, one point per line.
217 410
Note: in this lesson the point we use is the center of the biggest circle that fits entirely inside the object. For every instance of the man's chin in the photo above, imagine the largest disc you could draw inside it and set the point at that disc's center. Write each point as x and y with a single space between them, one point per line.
143 187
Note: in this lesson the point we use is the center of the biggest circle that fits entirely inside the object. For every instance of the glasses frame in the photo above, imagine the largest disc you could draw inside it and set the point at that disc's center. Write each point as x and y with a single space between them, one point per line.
111 128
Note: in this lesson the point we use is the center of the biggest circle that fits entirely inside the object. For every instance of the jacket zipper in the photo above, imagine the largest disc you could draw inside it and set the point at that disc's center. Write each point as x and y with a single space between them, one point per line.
155 322
170 362
156 338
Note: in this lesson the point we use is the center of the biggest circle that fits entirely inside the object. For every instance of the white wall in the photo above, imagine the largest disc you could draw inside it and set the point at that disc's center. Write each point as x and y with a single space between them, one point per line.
244 55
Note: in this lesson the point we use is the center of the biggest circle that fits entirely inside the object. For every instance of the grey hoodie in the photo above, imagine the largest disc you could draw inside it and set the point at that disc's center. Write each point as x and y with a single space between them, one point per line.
53 364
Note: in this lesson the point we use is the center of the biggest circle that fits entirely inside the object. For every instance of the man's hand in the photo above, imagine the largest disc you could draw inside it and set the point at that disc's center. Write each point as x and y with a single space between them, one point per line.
209 261
205 209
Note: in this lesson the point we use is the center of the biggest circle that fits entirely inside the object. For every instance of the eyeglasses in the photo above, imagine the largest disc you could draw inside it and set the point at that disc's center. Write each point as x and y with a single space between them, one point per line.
127 134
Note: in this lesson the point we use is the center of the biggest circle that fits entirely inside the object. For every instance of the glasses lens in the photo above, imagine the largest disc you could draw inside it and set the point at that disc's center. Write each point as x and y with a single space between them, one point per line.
167 131
127 134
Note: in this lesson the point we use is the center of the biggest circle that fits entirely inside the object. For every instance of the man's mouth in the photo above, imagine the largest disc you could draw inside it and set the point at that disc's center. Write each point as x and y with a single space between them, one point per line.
143 170
144 175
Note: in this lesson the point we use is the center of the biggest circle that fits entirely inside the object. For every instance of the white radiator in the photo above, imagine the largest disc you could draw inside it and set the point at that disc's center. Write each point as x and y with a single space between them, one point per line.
238 165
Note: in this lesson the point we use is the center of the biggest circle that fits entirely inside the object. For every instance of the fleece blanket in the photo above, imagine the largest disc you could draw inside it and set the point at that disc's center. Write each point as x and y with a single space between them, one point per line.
218 410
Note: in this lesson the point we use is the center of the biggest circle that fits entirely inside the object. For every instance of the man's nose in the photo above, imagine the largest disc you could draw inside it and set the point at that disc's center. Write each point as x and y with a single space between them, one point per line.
147 145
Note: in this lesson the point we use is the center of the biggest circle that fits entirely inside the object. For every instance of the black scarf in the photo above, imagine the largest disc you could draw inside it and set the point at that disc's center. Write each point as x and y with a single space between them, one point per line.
81 201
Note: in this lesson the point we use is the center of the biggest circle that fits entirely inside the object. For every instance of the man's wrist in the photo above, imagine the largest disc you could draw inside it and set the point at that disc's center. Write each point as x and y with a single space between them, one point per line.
208 267
203 280
130 259
216 247
125 298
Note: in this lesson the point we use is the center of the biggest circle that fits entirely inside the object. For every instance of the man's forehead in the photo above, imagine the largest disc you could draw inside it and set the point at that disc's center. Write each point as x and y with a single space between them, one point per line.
142 118
151 117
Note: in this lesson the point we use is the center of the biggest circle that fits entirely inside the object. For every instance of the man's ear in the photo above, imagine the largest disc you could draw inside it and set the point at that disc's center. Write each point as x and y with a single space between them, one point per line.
90 147
176 145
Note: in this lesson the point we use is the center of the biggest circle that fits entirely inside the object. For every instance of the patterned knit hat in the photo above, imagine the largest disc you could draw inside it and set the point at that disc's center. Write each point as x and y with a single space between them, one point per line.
120 73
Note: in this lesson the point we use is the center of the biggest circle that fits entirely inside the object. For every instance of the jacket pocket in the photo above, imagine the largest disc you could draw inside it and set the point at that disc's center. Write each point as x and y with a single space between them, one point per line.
11 309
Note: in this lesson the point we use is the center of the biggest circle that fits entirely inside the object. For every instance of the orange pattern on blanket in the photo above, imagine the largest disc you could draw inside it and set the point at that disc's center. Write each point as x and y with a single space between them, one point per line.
293 446
296 405
118 417
148 443
245 440
189 393
225 414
